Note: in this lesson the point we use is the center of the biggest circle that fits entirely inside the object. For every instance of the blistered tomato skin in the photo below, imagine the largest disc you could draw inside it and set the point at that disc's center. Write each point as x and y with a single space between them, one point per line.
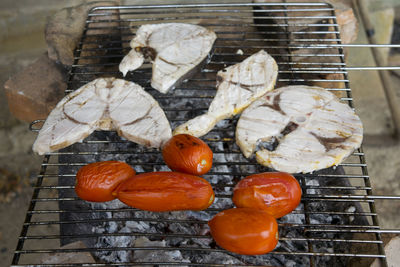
166 191
96 181
245 231
188 154
277 193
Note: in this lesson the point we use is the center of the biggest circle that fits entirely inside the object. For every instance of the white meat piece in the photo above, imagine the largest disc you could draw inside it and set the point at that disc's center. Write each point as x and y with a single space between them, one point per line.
175 49
314 130
104 104
237 87
132 61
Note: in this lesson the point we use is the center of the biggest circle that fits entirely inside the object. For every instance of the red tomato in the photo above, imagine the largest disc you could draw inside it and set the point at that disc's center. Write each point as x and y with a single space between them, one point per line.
187 154
245 231
96 181
166 191
277 193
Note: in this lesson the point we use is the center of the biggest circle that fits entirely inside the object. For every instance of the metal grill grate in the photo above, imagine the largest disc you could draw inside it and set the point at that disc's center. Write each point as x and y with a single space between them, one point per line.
336 222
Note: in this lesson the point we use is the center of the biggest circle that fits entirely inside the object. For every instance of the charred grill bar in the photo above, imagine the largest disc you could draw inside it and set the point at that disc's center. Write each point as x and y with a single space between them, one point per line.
336 222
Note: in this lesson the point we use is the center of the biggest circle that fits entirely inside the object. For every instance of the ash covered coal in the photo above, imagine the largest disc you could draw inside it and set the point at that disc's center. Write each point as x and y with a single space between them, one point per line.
122 234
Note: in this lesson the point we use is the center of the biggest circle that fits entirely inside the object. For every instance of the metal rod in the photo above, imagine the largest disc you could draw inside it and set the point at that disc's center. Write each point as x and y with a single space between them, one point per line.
169 235
208 5
193 249
28 217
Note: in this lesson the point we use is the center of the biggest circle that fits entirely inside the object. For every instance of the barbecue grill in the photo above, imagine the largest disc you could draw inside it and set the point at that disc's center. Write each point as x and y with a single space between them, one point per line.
336 222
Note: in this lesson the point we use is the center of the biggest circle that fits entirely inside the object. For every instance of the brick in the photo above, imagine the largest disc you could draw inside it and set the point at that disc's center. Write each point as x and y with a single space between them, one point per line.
348 24
64 30
344 14
35 91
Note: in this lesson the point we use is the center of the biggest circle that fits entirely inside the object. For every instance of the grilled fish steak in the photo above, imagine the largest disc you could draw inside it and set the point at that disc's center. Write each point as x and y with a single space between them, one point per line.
307 129
174 48
104 104
237 87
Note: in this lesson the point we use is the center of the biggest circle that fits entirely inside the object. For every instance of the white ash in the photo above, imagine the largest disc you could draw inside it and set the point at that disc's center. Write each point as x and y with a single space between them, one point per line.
316 220
351 209
200 215
186 229
295 218
155 255
220 179
217 257
290 263
205 242
313 183
117 242
231 157
274 260
140 227
239 52
222 203
223 124
113 204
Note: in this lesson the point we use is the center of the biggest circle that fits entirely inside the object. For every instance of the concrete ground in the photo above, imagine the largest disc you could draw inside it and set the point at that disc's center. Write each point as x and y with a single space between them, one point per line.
18 165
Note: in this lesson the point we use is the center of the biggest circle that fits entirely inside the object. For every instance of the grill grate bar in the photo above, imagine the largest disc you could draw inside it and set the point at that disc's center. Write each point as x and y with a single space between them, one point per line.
279 80
279 63
192 249
307 198
231 185
40 212
217 164
236 47
217 32
110 48
201 237
333 176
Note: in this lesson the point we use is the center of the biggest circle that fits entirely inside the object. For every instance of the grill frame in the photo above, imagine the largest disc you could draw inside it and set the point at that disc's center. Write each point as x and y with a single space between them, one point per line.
356 161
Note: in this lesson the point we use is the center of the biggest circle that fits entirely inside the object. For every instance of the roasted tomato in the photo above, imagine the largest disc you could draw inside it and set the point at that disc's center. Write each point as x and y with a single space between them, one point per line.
245 231
166 191
187 154
277 193
96 181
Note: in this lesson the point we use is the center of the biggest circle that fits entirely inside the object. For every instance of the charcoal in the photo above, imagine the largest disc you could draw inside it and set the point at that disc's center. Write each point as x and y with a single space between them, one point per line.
139 227
116 242
199 215
156 255
216 257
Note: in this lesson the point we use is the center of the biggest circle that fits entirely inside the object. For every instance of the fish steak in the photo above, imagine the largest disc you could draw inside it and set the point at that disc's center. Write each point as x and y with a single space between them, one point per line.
299 129
104 104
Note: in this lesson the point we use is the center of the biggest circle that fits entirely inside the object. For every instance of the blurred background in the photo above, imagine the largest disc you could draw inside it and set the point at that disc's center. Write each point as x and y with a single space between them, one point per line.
22 41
